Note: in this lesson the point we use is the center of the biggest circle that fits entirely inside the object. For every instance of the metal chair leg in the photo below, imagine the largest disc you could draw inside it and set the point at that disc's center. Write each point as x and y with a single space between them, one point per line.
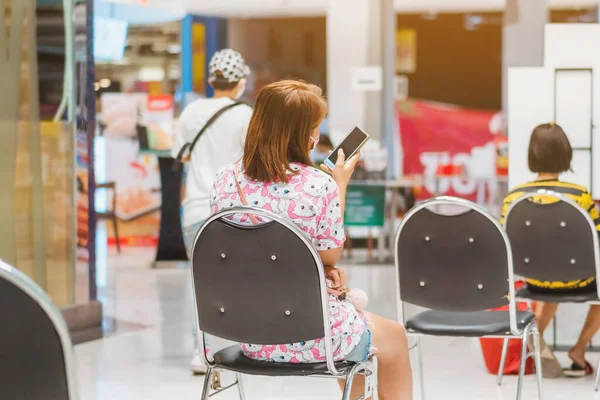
502 361
207 381
554 332
597 379
526 333
240 385
538 362
116 228
350 380
375 379
420 366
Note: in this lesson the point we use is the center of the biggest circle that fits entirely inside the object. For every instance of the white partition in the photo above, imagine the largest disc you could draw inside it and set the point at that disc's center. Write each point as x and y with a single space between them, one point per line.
571 45
530 103
573 105
581 166
575 46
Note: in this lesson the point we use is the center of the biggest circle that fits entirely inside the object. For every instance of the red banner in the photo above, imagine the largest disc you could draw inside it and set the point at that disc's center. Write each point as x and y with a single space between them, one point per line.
435 135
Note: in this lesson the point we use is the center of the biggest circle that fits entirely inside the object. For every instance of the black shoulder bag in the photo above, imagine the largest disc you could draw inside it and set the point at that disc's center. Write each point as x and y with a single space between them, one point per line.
189 147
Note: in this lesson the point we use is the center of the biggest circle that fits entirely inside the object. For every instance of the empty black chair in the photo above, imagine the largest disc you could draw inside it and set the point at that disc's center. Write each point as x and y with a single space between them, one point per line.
554 242
458 267
264 284
36 355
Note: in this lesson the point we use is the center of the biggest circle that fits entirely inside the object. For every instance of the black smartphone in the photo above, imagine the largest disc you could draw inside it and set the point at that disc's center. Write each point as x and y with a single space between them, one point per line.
351 145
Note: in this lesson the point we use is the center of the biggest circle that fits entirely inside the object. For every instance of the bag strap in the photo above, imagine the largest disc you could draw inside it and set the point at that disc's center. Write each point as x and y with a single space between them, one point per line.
189 147
241 193
212 121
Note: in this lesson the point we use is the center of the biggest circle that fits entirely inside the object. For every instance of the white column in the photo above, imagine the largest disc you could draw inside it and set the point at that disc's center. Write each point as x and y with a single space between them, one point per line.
522 38
349 27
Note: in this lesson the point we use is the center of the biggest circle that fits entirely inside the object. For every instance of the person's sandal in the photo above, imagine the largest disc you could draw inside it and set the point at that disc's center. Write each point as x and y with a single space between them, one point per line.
577 371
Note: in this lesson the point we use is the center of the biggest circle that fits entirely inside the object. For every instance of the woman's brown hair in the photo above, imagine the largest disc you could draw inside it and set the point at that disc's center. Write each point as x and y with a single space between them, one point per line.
285 115
549 149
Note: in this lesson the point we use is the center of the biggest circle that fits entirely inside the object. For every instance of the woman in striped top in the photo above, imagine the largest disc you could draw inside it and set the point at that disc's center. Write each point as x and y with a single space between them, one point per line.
550 154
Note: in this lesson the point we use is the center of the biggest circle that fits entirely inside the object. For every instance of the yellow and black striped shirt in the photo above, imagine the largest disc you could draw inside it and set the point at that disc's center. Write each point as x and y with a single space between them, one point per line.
577 193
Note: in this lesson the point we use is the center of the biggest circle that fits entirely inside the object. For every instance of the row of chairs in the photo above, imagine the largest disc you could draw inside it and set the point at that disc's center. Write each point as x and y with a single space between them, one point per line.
264 284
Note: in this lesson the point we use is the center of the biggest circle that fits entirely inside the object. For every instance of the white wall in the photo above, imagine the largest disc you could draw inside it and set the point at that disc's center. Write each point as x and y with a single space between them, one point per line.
522 38
570 98
530 103
352 42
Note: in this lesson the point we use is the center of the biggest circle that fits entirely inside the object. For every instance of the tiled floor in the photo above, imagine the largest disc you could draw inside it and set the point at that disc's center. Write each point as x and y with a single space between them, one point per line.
152 363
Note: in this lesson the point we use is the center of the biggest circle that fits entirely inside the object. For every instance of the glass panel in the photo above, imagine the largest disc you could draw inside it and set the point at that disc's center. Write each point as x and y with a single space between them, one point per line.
37 211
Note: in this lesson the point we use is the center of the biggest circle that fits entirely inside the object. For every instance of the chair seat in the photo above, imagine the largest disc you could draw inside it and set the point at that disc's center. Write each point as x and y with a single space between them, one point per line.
466 324
525 293
232 358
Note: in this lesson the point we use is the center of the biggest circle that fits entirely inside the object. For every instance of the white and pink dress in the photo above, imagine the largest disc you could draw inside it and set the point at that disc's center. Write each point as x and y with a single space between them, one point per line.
310 200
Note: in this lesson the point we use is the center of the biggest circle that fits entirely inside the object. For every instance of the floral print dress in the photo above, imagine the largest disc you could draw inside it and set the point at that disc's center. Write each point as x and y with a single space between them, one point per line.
310 200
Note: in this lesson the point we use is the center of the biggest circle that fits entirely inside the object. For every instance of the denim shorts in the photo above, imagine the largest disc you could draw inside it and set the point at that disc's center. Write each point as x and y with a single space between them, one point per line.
362 351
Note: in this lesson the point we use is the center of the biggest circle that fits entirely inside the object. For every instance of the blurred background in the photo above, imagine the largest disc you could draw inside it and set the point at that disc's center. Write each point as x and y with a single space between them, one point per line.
94 88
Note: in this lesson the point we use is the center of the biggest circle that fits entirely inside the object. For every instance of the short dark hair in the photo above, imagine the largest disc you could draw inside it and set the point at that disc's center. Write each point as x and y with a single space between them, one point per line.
222 83
549 149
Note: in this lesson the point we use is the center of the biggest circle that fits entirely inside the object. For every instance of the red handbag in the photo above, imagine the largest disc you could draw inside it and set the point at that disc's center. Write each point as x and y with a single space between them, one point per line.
492 349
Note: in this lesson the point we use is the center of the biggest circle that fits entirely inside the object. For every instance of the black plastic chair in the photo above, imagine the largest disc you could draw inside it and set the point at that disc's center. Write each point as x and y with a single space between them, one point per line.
36 355
458 267
552 242
264 284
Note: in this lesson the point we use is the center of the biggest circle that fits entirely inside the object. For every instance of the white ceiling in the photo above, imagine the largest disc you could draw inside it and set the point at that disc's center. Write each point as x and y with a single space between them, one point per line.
272 8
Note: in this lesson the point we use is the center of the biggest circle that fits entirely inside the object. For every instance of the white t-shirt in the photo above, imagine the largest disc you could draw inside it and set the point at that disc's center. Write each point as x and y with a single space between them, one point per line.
221 144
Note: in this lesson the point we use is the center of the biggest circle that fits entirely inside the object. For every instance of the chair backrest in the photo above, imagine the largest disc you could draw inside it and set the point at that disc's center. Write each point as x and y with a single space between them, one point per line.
36 355
460 262
259 284
555 241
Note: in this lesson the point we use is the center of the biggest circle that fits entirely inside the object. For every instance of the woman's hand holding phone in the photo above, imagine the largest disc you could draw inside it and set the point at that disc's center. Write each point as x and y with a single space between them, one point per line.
342 171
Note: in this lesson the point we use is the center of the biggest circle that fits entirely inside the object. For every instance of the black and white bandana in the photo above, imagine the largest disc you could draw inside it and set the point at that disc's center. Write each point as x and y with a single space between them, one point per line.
230 63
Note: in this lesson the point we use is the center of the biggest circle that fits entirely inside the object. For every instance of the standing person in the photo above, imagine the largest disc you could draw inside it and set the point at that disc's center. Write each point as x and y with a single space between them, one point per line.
276 174
221 143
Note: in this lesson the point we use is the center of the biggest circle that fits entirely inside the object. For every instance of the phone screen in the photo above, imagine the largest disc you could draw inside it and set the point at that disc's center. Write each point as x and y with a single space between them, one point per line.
352 142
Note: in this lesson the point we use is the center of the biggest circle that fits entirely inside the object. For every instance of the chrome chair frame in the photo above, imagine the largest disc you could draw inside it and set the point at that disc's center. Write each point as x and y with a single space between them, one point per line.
515 333
561 197
29 287
367 368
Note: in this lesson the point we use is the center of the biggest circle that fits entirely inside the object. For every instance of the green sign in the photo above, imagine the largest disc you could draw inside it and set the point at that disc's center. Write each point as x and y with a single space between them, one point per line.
365 206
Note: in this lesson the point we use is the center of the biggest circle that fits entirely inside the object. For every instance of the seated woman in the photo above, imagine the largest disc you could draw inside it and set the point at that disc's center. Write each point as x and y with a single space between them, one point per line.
275 174
550 154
